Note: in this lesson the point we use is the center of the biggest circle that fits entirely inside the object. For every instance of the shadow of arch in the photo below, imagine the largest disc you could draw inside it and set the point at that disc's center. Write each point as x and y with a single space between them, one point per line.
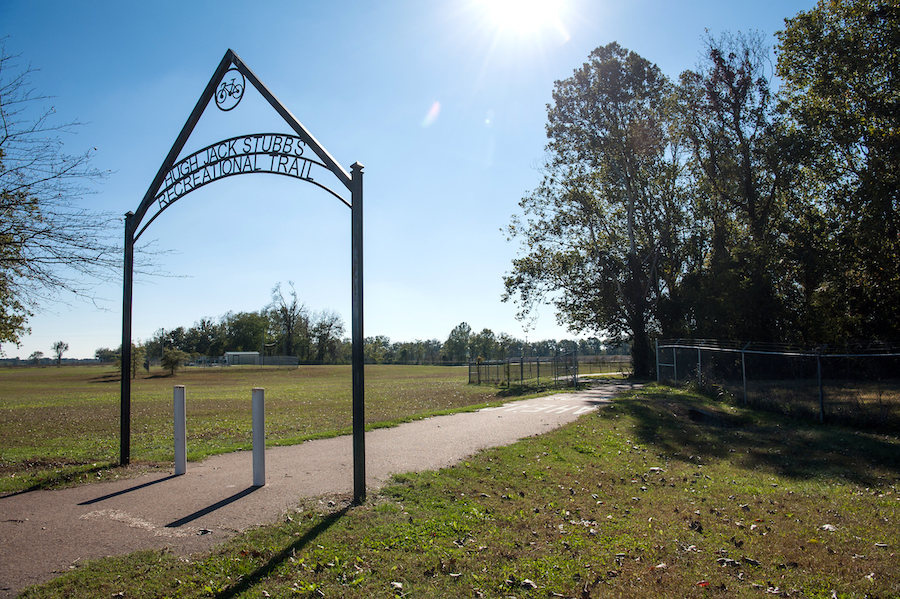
210 509
263 571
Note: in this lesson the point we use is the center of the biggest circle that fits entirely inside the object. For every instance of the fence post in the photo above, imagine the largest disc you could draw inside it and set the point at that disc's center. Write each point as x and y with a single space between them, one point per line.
674 365
259 437
180 417
575 364
699 368
656 355
744 374
821 393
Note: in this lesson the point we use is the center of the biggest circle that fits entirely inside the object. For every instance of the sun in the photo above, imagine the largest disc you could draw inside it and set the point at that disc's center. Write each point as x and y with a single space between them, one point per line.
525 17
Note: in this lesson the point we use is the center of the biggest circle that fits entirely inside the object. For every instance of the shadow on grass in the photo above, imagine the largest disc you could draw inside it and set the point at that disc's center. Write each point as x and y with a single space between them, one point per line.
115 377
691 428
51 474
248 582
521 390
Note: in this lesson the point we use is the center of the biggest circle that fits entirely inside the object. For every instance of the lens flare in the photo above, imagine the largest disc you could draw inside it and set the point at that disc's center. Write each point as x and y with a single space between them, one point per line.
432 115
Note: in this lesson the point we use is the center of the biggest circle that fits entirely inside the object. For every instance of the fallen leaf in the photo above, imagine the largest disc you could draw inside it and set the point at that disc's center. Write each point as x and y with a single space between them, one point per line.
725 561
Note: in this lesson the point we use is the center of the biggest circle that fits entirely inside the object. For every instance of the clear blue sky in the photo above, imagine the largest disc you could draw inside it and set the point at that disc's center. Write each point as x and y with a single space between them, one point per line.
442 101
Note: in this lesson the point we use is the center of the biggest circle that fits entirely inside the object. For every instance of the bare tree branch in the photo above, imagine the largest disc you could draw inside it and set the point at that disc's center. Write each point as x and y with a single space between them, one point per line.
51 245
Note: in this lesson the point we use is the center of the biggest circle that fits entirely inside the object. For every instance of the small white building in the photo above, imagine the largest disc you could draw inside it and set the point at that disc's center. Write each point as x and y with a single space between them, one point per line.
238 358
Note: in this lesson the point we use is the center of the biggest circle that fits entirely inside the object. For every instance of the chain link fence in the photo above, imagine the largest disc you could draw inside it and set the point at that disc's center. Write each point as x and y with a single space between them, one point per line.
606 364
558 371
860 385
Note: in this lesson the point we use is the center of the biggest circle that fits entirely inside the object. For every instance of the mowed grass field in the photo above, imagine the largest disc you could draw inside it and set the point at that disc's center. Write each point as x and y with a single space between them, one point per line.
664 493
61 425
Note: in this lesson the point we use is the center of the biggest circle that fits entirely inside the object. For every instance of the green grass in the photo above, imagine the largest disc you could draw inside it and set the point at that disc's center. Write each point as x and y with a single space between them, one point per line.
664 494
61 425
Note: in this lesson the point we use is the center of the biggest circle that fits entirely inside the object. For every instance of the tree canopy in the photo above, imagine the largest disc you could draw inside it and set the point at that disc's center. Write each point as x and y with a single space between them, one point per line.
598 230
59 348
717 207
173 359
841 97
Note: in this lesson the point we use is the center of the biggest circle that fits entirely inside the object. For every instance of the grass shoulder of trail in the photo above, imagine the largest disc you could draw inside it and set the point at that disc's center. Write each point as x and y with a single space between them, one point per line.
665 493
61 425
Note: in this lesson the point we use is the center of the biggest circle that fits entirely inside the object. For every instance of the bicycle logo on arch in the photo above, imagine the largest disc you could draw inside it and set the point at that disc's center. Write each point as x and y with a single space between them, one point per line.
230 90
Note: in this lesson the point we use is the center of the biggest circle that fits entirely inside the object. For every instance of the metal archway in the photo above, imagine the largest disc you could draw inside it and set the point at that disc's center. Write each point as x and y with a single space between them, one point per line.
275 153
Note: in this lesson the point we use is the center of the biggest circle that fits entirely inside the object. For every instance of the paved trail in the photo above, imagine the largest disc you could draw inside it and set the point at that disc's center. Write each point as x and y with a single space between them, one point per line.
43 533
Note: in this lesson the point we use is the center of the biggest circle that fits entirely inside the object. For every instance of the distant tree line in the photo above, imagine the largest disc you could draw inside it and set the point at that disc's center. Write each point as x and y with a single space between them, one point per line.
314 342
285 327
717 207
463 346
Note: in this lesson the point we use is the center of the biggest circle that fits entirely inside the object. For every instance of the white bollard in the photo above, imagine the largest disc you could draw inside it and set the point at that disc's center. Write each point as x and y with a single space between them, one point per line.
259 437
180 416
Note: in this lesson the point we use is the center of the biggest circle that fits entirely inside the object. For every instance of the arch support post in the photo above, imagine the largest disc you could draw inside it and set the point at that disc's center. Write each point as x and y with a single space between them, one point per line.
125 397
358 339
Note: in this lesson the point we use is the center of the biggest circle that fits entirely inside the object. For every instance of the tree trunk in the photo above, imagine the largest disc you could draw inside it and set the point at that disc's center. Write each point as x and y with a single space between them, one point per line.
637 320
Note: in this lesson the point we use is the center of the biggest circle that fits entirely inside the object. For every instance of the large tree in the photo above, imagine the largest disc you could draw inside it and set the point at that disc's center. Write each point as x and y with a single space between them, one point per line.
50 244
138 357
456 347
289 320
206 338
326 331
739 173
841 92
245 331
600 233
173 359
59 348
483 345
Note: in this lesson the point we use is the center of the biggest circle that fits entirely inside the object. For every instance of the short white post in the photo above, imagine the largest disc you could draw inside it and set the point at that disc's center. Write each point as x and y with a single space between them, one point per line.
180 416
259 437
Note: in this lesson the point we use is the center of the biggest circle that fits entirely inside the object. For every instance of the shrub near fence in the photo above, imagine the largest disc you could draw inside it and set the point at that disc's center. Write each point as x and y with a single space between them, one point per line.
860 386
